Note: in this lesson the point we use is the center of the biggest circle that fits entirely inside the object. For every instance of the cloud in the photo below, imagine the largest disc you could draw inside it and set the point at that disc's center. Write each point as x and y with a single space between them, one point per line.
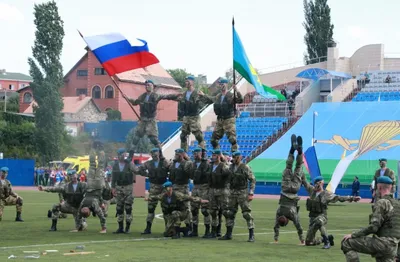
357 31
10 13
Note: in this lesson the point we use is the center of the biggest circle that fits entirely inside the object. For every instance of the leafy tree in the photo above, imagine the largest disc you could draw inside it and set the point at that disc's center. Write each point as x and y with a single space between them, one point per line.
17 139
179 75
319 30
12 103
113 115
47 73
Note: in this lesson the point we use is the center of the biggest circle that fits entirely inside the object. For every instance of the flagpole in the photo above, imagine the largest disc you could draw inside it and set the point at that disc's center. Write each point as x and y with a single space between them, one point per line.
233 66
313 129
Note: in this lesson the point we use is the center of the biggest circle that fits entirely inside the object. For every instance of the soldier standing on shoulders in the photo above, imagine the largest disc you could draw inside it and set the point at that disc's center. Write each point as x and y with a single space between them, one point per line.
174 208
123 178
147 124
317 205
179 175
200 173
291 182
8 197
384 171
240 195
224 108
157 172
384 224
72 196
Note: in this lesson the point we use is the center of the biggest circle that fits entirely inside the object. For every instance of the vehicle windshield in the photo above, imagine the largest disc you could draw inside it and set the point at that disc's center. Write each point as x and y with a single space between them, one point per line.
66 166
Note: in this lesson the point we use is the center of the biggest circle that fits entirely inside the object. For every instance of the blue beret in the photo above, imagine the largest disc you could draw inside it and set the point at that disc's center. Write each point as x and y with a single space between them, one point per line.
190 78
179 150
318 179
156 149
216 152
225 153
149 82
237 153
385 180
4 169
121 151
223 81
167 184
383 159
197 149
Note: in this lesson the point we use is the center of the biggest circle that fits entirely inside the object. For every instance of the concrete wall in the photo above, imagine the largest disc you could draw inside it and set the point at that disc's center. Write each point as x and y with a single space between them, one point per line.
305 99
342 91
392 64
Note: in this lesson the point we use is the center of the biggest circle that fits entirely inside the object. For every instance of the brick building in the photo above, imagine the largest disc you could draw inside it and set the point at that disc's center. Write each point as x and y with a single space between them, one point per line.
87 77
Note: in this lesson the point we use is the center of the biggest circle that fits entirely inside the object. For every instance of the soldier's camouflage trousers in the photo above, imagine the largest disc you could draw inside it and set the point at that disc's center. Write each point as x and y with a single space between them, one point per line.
191 125
202 192
317 223
184 189
238 198
94 206
107 204
382 248
124 203
228 127
218 203
291 214
149 128
11 201
66 208
154 190
174 220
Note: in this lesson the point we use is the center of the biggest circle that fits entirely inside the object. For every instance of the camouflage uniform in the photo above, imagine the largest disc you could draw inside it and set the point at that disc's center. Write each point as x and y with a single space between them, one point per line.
123 178
240 176
9 198
219 193
147 124
174 210
291 183
317 205
200 173
93 200
179 176
385 226
157 172
226 120
389 173
70 201
108 198
61 197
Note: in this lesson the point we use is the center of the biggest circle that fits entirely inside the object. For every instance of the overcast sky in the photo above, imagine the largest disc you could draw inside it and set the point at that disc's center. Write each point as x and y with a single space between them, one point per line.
197 35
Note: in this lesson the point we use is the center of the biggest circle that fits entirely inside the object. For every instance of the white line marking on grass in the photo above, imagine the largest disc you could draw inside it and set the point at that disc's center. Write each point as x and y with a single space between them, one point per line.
145 239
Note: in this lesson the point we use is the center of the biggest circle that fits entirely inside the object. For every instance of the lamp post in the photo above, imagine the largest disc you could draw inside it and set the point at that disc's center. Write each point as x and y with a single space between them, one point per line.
315 113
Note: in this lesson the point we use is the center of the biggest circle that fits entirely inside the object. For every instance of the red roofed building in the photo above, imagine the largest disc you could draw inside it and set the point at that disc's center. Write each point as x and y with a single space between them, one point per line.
87 77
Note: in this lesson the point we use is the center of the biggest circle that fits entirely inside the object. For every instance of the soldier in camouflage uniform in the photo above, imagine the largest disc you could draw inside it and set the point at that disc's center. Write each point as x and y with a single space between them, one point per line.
107 191
240 195
200 173
123 178
224 108
317 205
157 172
291 182
179 175
147 124
384 225
219 189
72 196
384 171
174 208
8 197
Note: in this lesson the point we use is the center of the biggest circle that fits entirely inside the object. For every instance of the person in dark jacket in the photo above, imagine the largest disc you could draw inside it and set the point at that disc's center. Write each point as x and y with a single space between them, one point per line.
355 187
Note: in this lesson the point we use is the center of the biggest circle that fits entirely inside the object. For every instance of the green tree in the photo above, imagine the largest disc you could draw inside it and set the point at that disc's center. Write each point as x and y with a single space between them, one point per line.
113 115
47 73
319 30
12 103
179 75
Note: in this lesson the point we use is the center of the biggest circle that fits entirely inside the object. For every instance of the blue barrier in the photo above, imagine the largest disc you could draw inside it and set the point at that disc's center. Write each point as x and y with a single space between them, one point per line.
21 172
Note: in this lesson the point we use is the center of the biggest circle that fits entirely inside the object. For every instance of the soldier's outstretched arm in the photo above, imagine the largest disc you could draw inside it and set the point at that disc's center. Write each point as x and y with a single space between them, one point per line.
142 170
207 99
54 189
307 185
333 198
173 97
252 180
134 102
381 209
239 98
155 198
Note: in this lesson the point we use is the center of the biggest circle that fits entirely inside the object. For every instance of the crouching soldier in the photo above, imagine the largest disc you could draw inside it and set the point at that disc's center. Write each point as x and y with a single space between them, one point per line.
8 197
174 209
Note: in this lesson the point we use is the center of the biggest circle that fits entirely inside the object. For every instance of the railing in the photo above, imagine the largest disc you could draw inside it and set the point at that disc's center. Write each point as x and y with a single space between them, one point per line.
282 67
266 109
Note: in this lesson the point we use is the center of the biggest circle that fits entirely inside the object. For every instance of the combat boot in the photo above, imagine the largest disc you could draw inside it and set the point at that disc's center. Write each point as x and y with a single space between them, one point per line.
186 231
330 239
148 229
299 145
177 233
219 230
127 228
325 240
18 217
120 229
53 225
251 235
228 235
195 232
49 214
213 232
207 233
293 147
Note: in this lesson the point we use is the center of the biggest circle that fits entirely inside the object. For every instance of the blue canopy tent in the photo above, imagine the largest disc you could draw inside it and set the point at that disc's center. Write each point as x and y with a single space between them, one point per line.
316 73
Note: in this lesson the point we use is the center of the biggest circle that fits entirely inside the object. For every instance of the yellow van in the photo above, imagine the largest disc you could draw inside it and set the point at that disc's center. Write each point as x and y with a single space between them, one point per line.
76 162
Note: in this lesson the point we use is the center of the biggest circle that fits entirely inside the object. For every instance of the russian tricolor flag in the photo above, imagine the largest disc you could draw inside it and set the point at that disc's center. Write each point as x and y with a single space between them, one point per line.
311 162
117 55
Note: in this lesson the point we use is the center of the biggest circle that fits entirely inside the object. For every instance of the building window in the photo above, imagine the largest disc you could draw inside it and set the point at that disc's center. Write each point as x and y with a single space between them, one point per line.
100 71
109 92
27 97
82 72
96 92
11 87
81 91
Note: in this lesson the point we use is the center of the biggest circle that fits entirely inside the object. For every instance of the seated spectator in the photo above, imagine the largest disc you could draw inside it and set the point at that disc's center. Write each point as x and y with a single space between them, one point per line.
366 78
388 79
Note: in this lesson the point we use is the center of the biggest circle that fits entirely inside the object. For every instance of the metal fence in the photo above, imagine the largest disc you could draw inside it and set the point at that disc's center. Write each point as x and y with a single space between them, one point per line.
267 109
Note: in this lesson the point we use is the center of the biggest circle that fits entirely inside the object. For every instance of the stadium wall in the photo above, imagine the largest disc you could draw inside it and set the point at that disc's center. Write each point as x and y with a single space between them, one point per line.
20 171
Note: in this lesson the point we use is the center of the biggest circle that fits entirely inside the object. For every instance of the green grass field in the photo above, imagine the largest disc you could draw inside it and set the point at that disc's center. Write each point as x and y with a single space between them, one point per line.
33 235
